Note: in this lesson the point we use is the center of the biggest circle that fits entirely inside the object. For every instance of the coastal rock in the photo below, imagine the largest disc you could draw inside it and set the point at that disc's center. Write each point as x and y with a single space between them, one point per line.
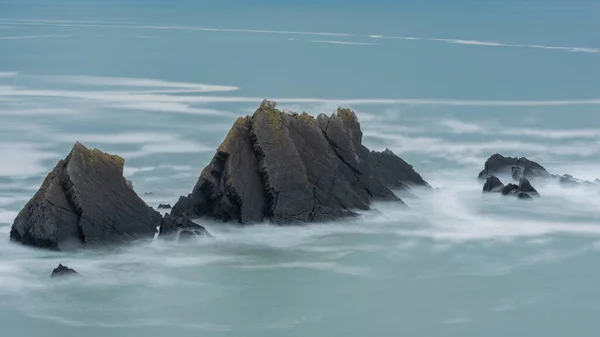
294 168
525 187
164 206
493 184
172 225
84 201
62 271
522 191
518 168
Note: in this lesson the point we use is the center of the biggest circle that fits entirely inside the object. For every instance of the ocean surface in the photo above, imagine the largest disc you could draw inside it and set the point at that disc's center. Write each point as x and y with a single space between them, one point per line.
443 84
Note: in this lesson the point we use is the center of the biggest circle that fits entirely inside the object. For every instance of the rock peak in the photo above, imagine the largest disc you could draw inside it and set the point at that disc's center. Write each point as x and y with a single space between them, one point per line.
266 104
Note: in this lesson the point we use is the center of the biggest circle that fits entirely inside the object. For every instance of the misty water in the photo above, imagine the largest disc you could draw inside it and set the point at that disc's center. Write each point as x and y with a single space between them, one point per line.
442 86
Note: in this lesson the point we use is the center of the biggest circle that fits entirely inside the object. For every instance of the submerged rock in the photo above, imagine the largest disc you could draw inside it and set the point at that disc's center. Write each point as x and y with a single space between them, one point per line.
164 206
493 184
84 201
294 168
62 271
172 225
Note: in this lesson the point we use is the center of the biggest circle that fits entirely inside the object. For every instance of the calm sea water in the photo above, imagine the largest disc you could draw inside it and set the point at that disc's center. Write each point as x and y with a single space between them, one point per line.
443 85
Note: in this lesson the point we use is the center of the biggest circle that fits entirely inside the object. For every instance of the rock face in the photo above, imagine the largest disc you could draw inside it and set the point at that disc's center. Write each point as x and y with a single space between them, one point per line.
84 201
290 168
174 225
164 206
62 271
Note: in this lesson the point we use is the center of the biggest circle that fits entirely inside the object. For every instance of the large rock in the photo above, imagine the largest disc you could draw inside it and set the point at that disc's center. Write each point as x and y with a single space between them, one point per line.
291 168
84 201
518 168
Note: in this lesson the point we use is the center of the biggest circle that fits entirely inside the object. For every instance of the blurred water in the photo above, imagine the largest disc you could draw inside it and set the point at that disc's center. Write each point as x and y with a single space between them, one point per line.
443 86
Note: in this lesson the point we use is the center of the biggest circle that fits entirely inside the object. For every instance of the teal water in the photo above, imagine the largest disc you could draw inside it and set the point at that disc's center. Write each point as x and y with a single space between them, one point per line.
443 85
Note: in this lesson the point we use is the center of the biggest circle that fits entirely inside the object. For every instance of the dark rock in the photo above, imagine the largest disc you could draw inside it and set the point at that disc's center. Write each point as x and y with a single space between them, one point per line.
522 191
294 168
509 189
525 186
164 206
85 201
62 271
493 184
171 225
394 171
523 195
148 193
518 168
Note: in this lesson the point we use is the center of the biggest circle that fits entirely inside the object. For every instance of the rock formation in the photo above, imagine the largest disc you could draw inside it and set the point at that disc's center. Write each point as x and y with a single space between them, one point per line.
291 168
522 191
164 206
518 168
62 271
84 201
172 226
522 167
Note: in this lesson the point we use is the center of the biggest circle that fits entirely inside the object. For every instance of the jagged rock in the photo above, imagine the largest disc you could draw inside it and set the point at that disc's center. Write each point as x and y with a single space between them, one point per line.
493 184
172 225
522 191
84 201
518 168
62 271
525 186
129 183
394 171
164 206
290 168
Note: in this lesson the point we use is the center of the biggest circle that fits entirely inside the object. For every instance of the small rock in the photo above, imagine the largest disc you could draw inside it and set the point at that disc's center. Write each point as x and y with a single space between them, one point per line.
164 206
62 271
525 186
493 184
148 193
509 189
172 225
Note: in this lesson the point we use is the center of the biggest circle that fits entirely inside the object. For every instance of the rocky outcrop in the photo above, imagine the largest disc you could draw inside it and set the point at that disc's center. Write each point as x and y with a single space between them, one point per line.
294 168
62 271
518 168
174 226
164 206
85 201
523 190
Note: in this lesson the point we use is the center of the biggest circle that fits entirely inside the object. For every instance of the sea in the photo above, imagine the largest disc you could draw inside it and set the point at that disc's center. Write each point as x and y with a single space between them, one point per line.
443 84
